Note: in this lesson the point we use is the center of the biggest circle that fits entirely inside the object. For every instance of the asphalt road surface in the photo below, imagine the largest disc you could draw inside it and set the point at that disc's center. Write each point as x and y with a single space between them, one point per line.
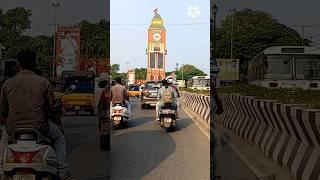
85 158
145 151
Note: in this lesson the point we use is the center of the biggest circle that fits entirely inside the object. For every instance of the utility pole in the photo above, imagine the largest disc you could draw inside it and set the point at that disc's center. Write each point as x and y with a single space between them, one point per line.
55 6
231 38
182 70
303 31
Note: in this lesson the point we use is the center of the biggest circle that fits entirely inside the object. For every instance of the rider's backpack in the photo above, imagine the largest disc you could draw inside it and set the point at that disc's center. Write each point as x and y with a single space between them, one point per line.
167 96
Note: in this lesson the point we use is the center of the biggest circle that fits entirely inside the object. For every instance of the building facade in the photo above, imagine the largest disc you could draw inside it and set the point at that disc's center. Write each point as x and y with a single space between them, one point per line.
156 50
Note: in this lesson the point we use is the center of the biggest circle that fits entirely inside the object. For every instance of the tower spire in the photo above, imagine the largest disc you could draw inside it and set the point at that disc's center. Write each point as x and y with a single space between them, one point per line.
156 11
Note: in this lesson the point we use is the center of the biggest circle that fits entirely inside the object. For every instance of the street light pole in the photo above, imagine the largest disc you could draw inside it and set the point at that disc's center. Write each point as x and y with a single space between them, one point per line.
182 70
55 6
215 10
231 38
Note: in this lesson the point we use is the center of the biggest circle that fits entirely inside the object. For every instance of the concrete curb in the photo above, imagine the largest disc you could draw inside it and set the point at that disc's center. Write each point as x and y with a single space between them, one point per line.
197 119
263 167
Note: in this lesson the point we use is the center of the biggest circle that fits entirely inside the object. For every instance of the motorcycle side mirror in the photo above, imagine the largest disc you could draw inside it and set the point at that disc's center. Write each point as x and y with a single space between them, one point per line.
103 84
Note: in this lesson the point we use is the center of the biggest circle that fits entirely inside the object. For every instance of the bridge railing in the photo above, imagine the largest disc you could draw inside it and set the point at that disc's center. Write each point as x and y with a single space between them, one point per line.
288 134
198 103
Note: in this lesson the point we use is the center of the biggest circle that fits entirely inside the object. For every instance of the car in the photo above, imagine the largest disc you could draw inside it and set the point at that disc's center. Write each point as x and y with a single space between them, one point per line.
134 90
150 93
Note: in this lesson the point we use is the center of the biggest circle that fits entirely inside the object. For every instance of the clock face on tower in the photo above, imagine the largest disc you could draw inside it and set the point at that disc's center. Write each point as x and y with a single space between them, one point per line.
156 36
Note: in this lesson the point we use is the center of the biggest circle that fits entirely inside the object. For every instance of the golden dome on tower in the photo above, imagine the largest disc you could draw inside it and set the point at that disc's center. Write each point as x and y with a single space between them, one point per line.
157 21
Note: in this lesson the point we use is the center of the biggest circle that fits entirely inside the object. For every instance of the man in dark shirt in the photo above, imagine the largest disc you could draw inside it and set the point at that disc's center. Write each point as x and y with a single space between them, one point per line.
25 101
119 95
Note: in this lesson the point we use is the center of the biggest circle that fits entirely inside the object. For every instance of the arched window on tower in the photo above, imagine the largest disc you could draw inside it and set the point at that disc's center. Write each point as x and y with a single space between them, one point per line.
152 60
160 61
151 77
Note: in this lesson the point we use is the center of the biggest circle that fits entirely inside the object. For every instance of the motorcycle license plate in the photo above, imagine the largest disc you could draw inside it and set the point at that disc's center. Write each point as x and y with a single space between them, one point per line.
167 112
24 177
153 94
117 118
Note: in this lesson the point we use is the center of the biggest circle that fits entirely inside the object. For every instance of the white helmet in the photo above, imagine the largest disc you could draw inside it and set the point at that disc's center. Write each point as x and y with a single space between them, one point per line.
170 79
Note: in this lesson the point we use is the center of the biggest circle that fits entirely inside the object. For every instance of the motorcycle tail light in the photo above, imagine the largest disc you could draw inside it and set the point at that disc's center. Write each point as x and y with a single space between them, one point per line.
21 157
38 158
144 92
10 157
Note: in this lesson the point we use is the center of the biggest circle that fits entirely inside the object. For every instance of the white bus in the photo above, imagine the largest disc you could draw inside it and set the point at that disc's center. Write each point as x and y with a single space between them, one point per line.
286 67
200 83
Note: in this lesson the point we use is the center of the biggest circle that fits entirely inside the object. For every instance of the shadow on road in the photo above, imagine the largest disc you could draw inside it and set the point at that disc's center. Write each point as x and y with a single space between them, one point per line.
138 121
79 125
75 140
183 123
136 154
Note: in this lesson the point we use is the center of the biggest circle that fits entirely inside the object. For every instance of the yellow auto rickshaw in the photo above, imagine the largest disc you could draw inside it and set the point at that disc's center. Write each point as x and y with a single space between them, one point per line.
83 98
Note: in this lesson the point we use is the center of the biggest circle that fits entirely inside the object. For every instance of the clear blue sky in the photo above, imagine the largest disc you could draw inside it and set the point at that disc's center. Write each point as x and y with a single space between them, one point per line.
186 44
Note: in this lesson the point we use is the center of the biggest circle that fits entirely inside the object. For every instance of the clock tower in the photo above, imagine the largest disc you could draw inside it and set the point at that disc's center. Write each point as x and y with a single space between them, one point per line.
156 51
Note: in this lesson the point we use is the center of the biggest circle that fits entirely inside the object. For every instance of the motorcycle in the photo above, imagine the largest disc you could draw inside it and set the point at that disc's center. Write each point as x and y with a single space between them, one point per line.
29 155
167 117
119 116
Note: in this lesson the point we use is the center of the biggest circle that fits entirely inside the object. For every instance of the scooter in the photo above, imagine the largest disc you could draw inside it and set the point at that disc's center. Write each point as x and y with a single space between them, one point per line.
29 155
119 116
167 117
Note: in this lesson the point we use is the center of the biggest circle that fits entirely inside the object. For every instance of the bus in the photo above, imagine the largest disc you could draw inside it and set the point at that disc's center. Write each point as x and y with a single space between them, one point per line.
286 67
8 68
199 83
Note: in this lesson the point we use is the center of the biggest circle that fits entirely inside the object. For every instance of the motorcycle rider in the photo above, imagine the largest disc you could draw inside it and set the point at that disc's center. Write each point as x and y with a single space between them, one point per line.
119 95
170 83
25 102
165 92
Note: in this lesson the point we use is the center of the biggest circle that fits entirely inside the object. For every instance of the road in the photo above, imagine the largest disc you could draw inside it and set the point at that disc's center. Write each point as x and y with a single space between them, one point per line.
231 166
85 158
144 151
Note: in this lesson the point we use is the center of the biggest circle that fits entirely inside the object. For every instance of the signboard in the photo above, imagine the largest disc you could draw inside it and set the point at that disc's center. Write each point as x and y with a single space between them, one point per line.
67 49
97 65
228 69
131 76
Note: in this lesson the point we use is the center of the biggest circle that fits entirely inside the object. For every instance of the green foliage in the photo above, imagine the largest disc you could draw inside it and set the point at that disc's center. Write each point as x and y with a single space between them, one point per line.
308 98
203 92
115 72
253 31
14 22
188 71
95 39
141 73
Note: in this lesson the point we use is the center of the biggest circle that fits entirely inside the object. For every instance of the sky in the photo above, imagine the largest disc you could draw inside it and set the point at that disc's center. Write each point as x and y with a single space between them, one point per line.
289 12
186 44
70 12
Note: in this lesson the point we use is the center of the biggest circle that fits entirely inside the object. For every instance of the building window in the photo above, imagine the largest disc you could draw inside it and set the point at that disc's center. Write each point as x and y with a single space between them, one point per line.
156 48
160 60
152 60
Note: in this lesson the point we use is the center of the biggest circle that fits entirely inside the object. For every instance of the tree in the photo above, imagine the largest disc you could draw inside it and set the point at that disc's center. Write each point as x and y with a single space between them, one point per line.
141 73
188 71
12 24
114 69
95 39
253 32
